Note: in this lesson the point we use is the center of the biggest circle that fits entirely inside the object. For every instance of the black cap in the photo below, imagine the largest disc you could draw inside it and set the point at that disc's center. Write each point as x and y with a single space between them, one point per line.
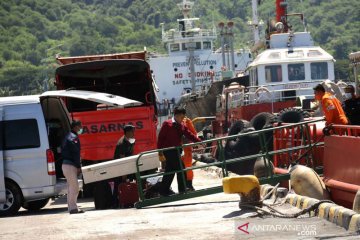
128 127
319 87
75 123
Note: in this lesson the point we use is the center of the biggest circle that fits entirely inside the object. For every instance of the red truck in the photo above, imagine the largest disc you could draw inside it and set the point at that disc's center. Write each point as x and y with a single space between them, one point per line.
126 75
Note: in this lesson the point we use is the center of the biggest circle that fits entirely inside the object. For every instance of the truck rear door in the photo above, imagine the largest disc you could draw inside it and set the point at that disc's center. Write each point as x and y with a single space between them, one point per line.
2 170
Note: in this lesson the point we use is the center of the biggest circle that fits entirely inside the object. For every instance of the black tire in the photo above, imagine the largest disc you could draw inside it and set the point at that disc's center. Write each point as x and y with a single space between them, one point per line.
35 205
237 127
261 120
292 115
243 146
13 199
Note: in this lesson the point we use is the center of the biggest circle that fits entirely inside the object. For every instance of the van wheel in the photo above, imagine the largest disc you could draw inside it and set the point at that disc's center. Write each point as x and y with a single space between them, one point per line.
13 200
35 205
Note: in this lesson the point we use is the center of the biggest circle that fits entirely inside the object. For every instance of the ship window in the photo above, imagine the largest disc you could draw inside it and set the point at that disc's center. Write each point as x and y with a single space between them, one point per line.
296 71
319 70
253 77
184 46
174 47
273 73
207 45
295 54
314 53
198 45
274 55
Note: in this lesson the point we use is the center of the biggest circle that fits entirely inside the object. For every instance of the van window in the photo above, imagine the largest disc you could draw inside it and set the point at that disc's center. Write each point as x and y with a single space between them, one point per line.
19 134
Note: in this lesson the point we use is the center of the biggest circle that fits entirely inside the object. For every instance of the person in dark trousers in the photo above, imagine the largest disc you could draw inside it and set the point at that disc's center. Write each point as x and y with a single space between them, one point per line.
170 135
124 148
71 166
352 105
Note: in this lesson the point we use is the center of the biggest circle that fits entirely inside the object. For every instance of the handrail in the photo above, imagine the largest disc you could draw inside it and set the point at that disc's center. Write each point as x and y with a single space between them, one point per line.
303 129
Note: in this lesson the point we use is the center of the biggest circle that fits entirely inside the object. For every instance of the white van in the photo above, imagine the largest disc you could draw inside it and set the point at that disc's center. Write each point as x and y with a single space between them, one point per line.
31 132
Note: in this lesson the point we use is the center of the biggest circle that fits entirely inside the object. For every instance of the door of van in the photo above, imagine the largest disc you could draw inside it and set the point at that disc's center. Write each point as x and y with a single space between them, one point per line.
104 98
2 170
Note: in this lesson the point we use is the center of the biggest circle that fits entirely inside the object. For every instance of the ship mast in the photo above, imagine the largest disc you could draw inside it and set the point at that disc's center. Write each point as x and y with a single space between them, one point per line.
255 27
186 7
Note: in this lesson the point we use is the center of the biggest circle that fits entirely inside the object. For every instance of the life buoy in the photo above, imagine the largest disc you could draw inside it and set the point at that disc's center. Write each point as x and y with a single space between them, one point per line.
262 94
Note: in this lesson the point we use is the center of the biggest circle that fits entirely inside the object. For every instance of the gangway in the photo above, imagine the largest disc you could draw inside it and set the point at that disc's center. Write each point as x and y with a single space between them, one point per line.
296 139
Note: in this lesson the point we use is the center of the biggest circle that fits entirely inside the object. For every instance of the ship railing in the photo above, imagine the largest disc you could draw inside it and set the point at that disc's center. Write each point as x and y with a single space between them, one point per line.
276 92
181 35
283 145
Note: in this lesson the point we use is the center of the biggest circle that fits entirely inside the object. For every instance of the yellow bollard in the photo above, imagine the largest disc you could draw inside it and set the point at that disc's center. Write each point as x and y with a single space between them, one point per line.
247 186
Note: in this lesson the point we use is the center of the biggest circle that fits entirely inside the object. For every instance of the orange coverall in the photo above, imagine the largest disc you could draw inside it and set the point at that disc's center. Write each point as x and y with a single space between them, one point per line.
333 111
187 158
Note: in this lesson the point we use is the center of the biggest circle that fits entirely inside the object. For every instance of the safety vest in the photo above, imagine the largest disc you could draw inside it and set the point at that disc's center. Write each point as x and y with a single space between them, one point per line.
333 111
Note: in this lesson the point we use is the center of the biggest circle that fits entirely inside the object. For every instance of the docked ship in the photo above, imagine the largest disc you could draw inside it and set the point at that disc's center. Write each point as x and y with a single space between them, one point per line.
192 63
286 67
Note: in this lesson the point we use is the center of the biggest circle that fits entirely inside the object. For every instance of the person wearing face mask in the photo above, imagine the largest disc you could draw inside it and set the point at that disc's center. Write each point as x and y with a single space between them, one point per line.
125 145
331 106
124 148
352 105
71 165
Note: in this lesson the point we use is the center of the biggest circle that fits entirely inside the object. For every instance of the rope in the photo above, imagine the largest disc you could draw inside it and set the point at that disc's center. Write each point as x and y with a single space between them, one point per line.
279 214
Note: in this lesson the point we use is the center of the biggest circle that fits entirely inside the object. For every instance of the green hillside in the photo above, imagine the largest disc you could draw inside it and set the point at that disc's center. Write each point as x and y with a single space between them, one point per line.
32 32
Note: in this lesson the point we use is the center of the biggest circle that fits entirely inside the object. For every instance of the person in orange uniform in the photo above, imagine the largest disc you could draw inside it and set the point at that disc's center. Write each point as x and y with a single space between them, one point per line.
334 113
187 157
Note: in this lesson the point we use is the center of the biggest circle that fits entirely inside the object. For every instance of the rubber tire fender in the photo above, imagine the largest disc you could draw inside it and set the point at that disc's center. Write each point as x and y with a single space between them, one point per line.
244 146
261 120
237 127
292 115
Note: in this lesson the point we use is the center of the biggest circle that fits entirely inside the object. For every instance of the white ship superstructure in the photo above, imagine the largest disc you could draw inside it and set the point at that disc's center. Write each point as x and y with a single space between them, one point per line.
291 65
192 63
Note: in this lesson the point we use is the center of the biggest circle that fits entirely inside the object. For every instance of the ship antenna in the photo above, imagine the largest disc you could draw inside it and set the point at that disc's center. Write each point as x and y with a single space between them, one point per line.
303 12
185 7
